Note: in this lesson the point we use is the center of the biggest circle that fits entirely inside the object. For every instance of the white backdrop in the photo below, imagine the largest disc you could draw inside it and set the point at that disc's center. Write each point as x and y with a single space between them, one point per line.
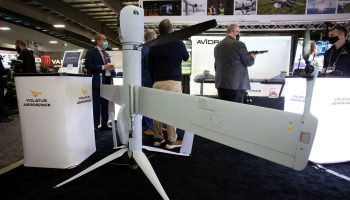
266 65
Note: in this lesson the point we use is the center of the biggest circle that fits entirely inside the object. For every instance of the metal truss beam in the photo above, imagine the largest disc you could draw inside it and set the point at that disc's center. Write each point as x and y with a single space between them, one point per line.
264 27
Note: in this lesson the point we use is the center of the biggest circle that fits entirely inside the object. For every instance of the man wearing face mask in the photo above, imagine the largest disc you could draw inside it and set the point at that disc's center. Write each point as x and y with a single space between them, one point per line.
26 59
231 65
97 62
337 58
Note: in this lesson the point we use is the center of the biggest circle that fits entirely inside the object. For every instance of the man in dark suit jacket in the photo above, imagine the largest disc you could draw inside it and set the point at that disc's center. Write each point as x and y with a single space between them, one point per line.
97 62
231 62
26 57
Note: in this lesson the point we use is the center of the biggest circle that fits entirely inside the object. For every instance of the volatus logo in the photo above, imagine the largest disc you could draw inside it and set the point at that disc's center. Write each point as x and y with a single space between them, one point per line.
35 94
85 98
84 91
36 101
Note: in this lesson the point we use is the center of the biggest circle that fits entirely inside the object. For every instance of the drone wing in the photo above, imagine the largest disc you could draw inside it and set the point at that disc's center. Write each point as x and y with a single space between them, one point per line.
271 134
183 33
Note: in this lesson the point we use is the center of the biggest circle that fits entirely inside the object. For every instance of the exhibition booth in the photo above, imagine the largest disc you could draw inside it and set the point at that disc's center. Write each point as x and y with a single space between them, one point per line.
331 106
56 119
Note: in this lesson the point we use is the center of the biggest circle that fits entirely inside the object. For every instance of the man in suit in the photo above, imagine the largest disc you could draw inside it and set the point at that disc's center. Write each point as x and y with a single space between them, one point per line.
26 57
97 62
231 61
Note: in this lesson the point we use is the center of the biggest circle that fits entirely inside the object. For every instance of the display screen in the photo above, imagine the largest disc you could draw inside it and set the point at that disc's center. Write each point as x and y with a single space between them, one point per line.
321 48
7 56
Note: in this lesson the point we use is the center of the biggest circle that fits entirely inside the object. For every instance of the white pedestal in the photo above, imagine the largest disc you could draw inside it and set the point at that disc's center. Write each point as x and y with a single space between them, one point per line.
56 119
331 105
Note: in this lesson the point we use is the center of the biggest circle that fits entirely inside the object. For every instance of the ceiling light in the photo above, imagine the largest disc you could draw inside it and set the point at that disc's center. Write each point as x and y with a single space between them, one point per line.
115 49
92 40
59 25
5 28
65 44
53 42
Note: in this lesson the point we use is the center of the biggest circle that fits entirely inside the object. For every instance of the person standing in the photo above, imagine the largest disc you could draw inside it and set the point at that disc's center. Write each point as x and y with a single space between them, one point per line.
337 58
231 65
3 114
146 78
26 58
97 62
165 70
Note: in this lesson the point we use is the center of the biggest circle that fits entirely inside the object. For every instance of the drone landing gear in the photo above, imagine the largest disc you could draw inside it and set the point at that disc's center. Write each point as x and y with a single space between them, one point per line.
138 159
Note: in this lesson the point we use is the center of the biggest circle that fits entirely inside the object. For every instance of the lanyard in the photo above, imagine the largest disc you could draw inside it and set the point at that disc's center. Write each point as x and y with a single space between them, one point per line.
336 59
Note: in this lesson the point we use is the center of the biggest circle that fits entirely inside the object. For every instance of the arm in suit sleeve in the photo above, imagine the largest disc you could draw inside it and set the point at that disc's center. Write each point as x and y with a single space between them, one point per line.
185 55
150 64
326 60
246 58
90 64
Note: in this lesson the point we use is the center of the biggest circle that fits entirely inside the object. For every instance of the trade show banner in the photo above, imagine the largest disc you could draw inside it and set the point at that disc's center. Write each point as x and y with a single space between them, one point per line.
246 10
266 65
71 62
331 105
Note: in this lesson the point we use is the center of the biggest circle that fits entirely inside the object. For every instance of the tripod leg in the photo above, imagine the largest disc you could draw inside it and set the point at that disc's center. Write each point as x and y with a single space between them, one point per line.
146 167
105 160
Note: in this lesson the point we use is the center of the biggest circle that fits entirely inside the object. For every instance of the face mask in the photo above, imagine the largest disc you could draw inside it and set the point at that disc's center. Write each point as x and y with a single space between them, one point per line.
333 40
238 36
105 45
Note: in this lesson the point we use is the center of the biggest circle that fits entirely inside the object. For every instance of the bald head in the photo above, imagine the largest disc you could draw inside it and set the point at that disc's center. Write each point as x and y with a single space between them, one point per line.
233 30
100 39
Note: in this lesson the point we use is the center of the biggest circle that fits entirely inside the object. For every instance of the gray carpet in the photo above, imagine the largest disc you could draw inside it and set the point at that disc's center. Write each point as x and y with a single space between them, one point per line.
11 149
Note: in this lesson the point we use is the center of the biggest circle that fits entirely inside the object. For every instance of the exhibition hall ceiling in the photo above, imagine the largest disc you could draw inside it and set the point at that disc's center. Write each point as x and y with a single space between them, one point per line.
82 19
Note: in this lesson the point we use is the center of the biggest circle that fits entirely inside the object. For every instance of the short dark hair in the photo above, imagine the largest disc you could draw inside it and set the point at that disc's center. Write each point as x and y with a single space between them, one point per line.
340 28
21 43
165 27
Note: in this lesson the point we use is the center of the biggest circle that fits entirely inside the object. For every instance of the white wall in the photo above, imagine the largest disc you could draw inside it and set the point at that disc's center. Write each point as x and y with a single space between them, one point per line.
266 65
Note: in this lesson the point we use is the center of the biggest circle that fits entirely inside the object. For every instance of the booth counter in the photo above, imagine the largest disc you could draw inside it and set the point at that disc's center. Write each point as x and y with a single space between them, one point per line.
56 119
331 105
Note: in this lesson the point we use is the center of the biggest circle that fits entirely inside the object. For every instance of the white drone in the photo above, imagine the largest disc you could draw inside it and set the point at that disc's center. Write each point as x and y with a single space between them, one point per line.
282 137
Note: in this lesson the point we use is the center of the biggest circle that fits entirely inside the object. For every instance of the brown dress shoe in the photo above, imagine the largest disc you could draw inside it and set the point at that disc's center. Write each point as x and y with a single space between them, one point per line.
148 132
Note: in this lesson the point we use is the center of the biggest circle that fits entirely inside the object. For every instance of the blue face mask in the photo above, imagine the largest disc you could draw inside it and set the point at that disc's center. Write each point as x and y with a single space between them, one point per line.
105 45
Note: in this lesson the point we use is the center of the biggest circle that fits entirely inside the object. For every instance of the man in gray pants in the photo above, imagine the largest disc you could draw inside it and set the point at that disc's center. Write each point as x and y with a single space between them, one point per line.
231 65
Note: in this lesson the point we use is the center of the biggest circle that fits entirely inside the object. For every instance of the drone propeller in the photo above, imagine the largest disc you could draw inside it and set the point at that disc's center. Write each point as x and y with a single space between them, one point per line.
183 33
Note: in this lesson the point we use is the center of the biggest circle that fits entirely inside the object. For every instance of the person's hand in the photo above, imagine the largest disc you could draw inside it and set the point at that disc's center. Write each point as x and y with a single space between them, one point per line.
109 66
253 55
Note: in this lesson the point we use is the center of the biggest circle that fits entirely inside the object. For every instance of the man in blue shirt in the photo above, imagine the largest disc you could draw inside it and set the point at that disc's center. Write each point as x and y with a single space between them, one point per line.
146 78
165 70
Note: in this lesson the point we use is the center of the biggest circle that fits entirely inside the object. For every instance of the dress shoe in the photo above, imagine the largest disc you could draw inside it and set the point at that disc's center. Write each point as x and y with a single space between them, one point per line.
148 132
105 128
